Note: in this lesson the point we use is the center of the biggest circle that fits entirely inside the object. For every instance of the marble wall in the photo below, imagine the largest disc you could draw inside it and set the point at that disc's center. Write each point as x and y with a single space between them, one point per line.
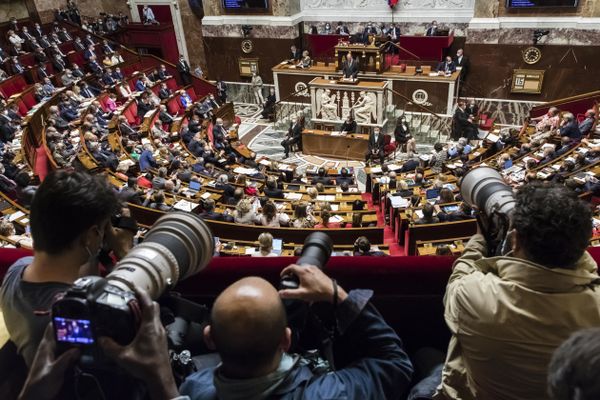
524 36
258 31
94 7
278 7
406 28
192 26
13 8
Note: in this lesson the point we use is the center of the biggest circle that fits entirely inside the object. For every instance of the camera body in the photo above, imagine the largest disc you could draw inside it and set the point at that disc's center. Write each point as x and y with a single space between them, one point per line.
178 245
90 309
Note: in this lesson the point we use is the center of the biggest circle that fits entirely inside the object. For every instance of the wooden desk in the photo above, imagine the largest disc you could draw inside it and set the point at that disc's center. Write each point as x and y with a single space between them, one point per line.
322 143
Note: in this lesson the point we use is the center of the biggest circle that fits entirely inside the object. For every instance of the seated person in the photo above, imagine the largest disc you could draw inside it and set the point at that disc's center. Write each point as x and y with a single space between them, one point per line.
585 127
325 216
428 217
265 246
569 127
306 61
362 247
322 177
375 366
303 218
271 190
447 67
243 213
156 201
270 216
464 212
209 212
349 125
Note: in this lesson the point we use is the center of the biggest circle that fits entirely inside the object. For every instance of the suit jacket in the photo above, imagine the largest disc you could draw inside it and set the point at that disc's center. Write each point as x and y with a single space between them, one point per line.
164 94
295 131
273 193
295 55
59 65
350 70
163 74
464 62
78 46
107 79
431 31
443 66
376 145
571 130
117 75
183 67
342 30
88 54
40 57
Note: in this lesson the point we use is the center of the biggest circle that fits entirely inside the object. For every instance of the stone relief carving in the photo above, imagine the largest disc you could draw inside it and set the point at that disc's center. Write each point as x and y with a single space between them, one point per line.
403 4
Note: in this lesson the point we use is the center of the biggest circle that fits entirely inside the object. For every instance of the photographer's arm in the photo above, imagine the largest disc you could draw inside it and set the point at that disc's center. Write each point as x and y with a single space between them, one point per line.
47 373
379 367
146 357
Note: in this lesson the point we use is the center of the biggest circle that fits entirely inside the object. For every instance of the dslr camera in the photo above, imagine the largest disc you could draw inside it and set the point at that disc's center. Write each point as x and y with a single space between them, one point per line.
178 246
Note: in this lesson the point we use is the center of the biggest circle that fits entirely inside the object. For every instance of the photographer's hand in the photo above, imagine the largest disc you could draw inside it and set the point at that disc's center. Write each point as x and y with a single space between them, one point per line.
146 357
47 372
315 286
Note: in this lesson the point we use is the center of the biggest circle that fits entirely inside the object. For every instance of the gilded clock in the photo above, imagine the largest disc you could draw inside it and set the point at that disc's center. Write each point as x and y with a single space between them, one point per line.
247 46
531 55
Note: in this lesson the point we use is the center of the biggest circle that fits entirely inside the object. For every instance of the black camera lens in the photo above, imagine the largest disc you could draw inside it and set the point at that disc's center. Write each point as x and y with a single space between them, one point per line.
316 250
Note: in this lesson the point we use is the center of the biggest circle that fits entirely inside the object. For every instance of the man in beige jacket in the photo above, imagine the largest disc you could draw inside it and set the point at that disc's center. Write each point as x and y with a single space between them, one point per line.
508 314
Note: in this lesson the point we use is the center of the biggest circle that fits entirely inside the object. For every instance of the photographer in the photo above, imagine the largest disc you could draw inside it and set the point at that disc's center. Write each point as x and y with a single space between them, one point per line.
146 358
249 331
70 224
507 314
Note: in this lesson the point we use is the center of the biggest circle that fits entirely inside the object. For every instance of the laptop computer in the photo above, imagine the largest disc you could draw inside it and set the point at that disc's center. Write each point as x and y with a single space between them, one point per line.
277 246
194 186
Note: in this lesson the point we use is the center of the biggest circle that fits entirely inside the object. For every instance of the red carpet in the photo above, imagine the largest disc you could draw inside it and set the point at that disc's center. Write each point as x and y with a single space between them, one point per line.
388 235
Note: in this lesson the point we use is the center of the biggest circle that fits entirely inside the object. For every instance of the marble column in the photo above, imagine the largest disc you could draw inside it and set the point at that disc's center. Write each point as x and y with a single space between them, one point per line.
192 27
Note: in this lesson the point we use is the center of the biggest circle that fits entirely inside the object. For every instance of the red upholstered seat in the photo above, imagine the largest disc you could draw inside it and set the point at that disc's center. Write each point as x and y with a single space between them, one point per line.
173 105
388 146
192 94
485 122
172 84
29 100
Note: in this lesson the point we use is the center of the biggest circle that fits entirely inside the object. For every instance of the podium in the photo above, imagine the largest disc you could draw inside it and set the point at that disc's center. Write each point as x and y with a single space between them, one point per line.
332 102
370 57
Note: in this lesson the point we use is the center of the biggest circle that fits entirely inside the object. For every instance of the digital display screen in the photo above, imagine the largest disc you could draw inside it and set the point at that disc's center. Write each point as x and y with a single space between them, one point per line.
245 4
541 3
78 331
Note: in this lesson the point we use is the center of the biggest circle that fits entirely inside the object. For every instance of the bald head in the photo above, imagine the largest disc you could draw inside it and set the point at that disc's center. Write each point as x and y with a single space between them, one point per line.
248 326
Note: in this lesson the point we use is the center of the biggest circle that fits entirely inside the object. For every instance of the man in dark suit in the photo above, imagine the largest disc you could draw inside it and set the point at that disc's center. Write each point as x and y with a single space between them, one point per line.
89 53
322 177
107 78
350 67
163 73
569 127
447 67
78 45
16 66
117 74
94 66
295 53
294 136
271 190
463 124
131 193
40 56
42 72
184 71
58 63
341 29
37 30
394 33
376 144
432 30
268 111
463 62
164 92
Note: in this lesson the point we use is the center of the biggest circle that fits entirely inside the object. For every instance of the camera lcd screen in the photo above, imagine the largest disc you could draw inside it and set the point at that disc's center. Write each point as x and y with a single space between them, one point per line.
78 331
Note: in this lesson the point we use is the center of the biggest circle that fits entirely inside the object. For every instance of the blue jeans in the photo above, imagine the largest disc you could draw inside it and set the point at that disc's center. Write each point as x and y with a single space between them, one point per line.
426 388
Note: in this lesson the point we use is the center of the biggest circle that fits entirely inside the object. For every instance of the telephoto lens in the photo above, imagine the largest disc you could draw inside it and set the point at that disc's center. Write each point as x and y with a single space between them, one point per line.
178 246
484 188
316 251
